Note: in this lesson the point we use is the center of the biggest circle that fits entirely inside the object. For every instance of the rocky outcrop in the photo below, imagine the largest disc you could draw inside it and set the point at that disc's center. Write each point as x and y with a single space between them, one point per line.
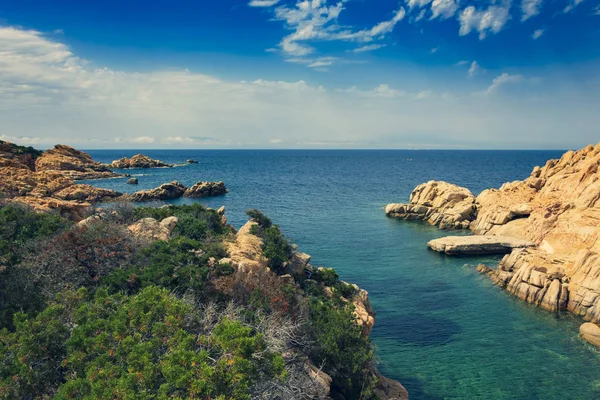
151 229
166 191
138 161
441 204
477 245
205 189
132 181
558 209
72 164
590 333
44 180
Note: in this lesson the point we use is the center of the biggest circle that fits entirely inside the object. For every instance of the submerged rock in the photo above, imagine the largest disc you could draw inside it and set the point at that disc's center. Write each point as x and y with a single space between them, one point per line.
138 161
132 181
192 161
477 245
441 204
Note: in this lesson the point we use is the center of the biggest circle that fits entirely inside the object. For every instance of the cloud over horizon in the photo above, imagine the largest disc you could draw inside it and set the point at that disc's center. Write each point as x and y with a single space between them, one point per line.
48 94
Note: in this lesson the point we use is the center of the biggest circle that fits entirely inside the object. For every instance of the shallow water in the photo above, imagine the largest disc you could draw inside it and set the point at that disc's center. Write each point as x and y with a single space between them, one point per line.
441 329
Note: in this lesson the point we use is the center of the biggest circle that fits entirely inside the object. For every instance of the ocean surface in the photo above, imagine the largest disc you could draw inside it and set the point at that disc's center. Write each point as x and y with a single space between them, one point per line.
441 329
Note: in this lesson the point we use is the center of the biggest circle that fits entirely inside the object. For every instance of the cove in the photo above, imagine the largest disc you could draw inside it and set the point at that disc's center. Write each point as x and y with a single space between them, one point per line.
441 329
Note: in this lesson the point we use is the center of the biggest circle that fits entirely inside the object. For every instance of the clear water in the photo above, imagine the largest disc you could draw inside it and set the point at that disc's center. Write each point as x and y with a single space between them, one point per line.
441 329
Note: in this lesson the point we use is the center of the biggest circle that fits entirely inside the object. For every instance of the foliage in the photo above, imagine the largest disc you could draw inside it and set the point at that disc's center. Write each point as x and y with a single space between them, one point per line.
195 221
179 264
339 340
20 226
276 247
261 219
150 345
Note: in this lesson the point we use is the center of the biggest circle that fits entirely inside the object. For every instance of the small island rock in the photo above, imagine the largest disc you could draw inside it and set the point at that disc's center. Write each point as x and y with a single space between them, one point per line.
590 333
204 189
138 161
132 181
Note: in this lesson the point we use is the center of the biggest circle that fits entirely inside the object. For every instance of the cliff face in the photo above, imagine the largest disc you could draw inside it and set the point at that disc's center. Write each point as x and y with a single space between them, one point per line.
557 208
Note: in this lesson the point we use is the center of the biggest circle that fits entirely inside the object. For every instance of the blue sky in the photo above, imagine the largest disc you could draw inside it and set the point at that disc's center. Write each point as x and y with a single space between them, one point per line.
301 74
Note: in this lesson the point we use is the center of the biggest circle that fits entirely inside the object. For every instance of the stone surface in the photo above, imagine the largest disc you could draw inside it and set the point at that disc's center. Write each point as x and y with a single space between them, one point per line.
166 191
558 208
138 161
477 244
205 189
151 229
590 333
72 163
439 203
132 181
192 161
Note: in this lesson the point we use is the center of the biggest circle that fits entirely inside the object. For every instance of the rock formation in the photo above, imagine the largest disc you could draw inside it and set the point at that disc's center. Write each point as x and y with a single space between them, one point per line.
204 189
166 191
132 181
477 244
558 209
151 229
72 164
138 161
44 180
441 204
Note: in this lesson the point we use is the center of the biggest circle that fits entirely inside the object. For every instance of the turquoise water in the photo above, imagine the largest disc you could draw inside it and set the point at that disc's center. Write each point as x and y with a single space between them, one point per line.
441 329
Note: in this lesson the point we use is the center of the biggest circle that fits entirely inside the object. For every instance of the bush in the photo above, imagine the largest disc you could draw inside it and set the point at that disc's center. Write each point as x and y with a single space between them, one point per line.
195 221
150 345
20 227
339 340
276 248
261 219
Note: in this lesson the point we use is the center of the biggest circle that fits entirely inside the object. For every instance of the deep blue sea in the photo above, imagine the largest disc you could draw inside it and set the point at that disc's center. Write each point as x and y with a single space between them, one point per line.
442 329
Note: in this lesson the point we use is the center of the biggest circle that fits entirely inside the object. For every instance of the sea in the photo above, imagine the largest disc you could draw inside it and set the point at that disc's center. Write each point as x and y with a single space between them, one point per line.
442 329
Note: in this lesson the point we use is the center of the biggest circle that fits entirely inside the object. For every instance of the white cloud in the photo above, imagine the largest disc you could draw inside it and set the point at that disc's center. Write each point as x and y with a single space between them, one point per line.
263 3
49 95
443 8
537 34
421 15
530 8
474 69
597 10
417 3
572 4
502 80
434 50
462 62
491 20
313 21
143 139
368 47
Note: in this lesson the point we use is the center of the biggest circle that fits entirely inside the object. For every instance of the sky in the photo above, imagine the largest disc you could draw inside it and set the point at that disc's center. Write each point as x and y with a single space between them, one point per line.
422 74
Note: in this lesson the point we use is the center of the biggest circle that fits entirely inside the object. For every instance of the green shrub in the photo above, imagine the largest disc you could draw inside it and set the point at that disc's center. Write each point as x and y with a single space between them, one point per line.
195 221
339 340
276 247
261 219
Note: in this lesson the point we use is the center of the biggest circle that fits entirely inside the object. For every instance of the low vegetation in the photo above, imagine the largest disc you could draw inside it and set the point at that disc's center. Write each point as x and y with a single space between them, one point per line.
100 314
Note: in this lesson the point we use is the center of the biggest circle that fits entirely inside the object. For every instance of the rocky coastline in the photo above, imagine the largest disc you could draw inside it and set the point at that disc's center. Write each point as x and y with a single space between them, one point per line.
46 180
556 209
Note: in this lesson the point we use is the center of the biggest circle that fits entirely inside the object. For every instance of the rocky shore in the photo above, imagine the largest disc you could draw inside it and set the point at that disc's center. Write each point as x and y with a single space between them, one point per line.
557 209
46 180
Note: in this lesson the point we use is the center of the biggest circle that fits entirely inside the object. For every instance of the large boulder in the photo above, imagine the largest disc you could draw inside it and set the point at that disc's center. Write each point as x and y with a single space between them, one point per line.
151 229
590 333
72 163
166 191
205 189
138 161
442 204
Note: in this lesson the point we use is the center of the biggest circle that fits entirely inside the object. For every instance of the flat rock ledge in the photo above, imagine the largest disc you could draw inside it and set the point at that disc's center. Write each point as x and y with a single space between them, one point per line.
477 245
